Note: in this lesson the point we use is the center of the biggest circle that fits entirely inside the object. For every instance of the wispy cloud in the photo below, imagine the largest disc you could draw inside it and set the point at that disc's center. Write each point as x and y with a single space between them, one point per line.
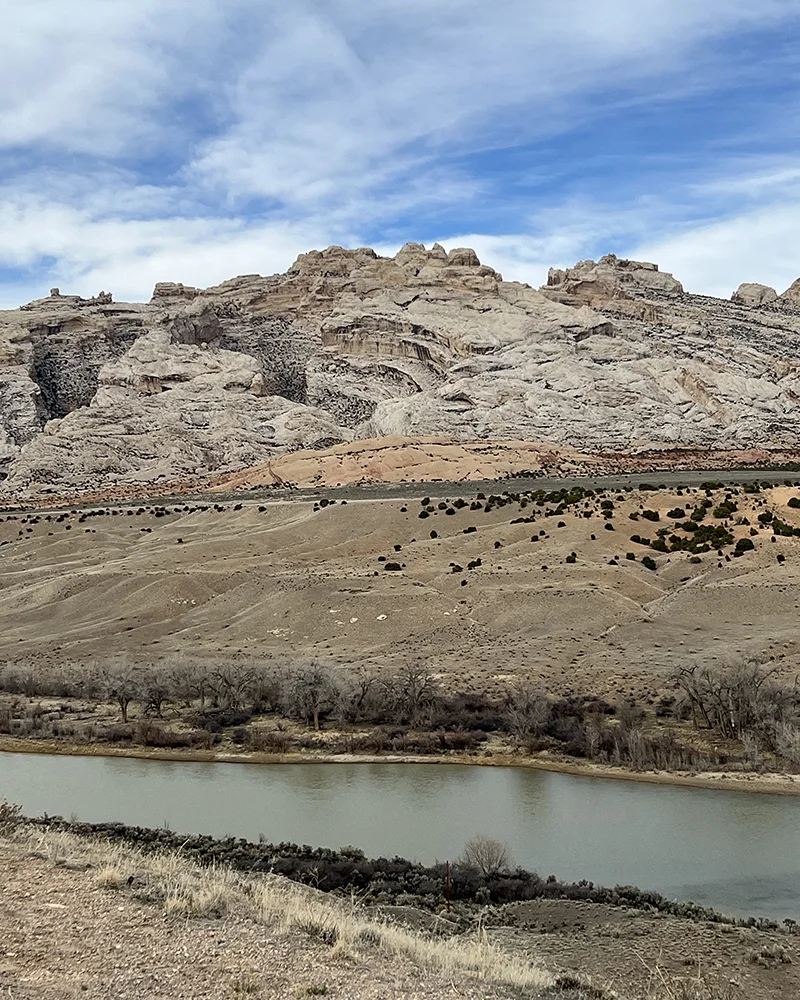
189 140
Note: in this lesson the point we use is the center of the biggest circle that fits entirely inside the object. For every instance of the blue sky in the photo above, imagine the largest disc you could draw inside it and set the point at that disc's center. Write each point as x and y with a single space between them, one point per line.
191 140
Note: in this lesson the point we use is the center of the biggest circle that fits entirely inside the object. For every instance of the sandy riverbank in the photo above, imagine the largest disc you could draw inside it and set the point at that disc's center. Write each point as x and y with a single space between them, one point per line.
765 784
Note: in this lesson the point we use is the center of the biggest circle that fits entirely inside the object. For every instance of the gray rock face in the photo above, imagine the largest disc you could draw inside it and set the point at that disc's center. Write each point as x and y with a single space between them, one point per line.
611 278
792 294
165 411
608 356
753 294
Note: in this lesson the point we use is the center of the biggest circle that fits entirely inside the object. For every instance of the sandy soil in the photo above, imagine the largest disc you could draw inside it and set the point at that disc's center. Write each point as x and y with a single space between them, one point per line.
641 954
287 581
411 460
405 460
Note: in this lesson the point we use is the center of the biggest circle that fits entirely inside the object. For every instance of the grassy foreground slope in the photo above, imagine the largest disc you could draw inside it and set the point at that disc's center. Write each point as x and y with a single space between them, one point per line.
82 917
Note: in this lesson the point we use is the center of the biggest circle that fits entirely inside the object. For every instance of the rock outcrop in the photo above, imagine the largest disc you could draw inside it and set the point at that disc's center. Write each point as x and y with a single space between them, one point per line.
609 356
752 294
792 294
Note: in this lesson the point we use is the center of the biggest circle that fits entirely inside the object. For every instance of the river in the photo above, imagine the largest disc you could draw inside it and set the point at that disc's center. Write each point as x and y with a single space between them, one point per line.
737 852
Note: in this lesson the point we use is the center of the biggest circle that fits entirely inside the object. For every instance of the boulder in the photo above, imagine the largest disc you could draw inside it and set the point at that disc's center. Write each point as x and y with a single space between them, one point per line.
752 294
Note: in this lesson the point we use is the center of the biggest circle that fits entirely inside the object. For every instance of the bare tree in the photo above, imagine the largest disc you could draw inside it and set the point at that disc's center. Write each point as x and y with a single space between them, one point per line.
787 743
488 855
265 686
156 691
413 690
737 699
528 709
309 693
189 680
121 686
359 696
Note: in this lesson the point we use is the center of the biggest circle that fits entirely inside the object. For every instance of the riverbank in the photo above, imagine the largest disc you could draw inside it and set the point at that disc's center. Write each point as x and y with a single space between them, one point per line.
80 913
770 783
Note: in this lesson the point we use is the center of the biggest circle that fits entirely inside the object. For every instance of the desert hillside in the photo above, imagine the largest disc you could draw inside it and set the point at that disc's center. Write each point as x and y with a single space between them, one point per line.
484 588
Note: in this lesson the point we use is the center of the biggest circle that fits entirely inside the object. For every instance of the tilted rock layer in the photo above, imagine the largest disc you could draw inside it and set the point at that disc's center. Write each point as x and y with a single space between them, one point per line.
609 356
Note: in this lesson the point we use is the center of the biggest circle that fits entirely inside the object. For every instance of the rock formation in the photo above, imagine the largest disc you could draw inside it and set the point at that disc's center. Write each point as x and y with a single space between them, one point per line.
792 294
752 294
608 356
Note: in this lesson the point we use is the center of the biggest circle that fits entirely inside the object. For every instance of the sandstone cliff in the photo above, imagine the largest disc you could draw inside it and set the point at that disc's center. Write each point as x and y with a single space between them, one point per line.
611 355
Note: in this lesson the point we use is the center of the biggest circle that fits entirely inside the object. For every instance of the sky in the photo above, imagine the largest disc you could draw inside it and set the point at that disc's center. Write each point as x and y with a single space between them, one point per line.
194 140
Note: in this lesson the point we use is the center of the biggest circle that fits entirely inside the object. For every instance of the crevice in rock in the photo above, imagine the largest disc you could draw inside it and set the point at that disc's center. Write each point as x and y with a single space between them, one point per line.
66 371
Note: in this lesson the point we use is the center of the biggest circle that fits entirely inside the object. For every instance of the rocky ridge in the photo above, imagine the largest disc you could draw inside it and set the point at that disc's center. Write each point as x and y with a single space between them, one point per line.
608 356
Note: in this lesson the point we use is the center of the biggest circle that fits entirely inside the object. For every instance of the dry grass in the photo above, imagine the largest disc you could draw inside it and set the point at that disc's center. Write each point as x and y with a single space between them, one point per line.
352 932
663 986
185 891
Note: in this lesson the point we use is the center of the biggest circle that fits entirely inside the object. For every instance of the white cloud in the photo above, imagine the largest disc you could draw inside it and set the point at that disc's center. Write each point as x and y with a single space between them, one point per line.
715 258
127 257
191 139
338 94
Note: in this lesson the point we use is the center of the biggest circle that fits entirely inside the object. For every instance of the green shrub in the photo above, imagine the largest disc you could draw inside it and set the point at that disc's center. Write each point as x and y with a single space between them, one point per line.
630 555
794 502
765 517
651 515
676 513
744 545
648 562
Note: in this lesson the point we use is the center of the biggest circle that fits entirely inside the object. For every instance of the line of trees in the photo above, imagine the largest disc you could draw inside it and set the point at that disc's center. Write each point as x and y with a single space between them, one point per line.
409 710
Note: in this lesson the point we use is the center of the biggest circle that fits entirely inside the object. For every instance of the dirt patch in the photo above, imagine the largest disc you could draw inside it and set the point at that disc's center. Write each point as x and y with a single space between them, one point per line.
636 953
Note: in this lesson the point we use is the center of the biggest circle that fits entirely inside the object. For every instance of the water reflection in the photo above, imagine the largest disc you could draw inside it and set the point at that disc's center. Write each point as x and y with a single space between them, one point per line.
735 851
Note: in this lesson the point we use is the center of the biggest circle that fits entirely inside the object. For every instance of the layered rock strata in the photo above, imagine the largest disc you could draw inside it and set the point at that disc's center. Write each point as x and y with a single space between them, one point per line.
608 356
